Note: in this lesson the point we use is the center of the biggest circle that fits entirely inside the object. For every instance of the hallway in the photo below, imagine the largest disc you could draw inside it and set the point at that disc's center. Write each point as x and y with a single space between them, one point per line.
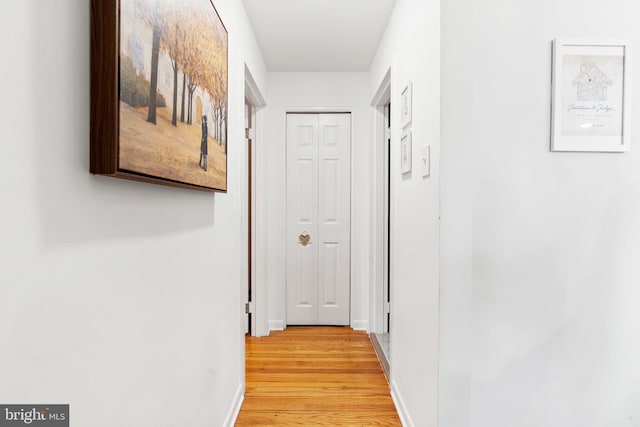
315 376
505 272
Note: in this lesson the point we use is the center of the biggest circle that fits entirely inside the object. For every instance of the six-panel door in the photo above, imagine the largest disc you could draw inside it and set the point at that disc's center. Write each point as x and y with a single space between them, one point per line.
318 218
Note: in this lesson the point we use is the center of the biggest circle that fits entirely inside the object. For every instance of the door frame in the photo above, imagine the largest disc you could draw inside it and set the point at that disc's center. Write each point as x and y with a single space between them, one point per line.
382 265
328 110
258 246
250 225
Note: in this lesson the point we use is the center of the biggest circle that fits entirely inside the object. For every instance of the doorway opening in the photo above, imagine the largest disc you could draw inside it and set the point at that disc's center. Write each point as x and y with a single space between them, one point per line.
383 214
386 214
250 112
253 202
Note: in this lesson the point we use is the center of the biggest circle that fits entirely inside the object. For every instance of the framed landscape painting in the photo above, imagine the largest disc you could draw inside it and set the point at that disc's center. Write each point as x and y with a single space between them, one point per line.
159 92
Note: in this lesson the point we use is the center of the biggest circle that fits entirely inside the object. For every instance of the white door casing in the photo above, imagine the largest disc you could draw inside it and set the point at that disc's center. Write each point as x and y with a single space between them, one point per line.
318 205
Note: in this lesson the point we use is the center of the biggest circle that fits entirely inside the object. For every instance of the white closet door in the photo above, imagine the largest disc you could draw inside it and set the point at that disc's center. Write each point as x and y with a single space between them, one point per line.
334 168
318 206
302 219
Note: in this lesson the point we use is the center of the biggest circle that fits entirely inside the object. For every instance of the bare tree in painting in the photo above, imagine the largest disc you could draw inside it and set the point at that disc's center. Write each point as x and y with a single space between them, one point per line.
184 88
174 41
152 13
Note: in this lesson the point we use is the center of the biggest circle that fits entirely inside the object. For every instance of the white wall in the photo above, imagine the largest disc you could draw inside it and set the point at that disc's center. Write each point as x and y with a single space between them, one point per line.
344 92
120 298
554 321
411 47
456 213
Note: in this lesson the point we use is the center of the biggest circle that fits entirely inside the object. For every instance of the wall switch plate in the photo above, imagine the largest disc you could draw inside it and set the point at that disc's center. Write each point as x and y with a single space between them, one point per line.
425 160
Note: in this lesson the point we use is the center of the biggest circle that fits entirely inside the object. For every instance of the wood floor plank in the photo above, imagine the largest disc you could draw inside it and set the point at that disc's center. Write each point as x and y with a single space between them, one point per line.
380 403
320 418
315 376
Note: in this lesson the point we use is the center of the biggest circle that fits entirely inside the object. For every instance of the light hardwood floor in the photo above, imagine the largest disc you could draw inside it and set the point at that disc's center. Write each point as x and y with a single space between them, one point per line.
308 376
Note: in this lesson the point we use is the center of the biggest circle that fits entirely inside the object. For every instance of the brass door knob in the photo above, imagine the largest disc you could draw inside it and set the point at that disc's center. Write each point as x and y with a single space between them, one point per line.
304 238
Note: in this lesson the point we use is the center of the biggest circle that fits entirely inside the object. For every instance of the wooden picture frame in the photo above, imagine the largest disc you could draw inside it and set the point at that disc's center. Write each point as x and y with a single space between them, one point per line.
591 96
174 135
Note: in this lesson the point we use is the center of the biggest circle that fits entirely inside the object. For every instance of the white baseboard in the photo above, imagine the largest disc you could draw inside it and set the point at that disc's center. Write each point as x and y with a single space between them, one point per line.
356 325
276 325
360 325
232 416
405 419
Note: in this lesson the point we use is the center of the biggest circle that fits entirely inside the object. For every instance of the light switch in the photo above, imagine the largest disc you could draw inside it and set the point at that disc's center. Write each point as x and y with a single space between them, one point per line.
425 160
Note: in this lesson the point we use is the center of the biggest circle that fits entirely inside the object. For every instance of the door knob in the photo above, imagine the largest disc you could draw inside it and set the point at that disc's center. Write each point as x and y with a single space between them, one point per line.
304 238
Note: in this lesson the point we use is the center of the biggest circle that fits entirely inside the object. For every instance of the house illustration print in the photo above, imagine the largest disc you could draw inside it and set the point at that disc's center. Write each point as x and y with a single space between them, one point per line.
592 83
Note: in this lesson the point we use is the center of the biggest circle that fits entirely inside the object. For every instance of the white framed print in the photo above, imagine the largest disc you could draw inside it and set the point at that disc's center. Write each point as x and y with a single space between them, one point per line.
405 152
405 104
591 88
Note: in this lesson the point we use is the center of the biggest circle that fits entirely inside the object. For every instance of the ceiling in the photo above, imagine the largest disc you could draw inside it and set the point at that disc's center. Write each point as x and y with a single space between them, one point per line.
319 35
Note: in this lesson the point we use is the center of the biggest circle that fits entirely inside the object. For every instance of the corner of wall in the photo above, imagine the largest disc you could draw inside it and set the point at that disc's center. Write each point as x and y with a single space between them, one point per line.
276 325
360 325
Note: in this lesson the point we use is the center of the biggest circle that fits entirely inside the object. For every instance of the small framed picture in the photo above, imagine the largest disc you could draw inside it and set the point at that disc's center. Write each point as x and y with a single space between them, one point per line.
405 152
591 95
405 105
